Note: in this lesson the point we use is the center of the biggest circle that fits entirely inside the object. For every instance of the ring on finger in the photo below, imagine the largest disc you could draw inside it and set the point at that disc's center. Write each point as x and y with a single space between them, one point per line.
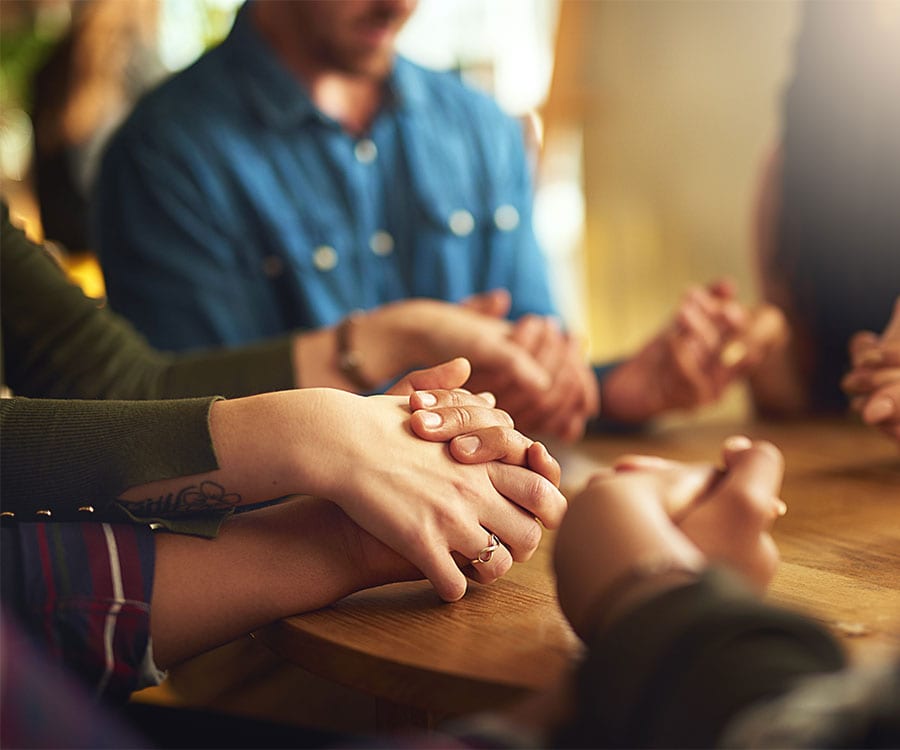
486 553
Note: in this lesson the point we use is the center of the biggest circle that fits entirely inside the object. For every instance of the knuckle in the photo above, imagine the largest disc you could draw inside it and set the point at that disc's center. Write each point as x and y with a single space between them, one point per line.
459 415
534 492
501 567
530 540
459 397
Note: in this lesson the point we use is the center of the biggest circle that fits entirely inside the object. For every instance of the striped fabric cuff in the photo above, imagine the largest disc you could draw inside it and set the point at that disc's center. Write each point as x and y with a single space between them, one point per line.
86 596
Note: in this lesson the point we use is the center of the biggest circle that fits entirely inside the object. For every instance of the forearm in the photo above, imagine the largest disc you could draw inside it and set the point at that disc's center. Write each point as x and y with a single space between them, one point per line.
60 456
776 386
266 447
624 399
274 562
161 459
60 344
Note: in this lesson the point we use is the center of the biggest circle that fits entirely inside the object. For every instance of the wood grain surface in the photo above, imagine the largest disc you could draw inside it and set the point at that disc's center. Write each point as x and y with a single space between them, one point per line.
840 547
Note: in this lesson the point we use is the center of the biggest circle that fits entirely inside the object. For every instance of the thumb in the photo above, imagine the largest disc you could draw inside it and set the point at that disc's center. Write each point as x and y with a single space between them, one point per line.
445 376
893 327
496 303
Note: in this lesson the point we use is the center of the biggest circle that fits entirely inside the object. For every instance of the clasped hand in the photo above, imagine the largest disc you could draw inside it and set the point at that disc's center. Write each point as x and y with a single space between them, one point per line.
874 382
711 341
674 515
436 505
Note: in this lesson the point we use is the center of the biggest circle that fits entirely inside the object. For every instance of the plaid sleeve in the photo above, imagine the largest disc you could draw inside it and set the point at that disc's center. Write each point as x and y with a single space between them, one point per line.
83 592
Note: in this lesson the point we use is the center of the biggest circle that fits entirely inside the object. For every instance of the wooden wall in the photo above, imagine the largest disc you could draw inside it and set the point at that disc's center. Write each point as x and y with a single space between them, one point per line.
676 102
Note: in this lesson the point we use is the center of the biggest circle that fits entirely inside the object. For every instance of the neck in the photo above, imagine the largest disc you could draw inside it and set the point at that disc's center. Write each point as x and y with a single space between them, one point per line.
351 100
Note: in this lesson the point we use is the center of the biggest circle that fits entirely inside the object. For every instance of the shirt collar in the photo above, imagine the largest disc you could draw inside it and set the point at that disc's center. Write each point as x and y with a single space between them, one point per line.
275 95
279 98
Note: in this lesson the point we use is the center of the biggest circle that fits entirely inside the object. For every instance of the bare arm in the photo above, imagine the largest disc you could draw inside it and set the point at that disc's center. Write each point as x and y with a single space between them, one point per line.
278 561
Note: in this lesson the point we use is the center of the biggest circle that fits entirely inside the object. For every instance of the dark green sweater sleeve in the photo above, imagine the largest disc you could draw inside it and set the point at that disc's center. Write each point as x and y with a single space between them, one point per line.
99 420
60 456
675 670
57 343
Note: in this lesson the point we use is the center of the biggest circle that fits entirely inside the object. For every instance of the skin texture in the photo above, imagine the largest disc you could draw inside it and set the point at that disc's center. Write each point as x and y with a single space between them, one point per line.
342 51
408 492
711 342
647 510
873 384
646 513
419 333
404 513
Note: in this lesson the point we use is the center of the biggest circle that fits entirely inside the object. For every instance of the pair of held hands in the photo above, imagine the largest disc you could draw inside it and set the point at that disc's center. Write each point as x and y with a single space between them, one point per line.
511 486
873 384
711 341
642 508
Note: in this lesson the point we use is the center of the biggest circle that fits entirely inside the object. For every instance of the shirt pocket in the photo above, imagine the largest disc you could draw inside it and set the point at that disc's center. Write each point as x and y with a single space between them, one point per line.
317 261
466 241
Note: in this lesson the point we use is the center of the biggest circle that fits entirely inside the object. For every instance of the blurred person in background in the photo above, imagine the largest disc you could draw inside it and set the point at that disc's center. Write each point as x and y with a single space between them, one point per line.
104 438
828 228
302 171
106 60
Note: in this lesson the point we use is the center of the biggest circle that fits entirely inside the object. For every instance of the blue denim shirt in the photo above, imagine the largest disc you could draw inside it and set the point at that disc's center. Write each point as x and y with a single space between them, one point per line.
229 208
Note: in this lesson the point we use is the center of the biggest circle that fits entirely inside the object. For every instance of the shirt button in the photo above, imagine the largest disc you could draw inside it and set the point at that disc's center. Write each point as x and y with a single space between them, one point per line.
461 223
365 151
506 217
381 243
272 266
325 257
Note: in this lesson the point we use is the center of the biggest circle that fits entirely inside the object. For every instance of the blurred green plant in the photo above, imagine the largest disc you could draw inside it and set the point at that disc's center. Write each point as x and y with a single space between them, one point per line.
23 48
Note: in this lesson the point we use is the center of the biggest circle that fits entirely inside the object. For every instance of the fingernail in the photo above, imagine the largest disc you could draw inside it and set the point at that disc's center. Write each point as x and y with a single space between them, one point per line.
737 443
468 444
879 408
780 507
426 398
431 419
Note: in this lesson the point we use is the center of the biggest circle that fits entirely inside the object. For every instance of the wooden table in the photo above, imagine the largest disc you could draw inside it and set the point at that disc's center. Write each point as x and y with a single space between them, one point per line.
424 660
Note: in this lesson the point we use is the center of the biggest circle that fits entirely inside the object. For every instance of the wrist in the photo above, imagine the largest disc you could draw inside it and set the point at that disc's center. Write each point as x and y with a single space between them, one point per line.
367 562
637 583
622 397
315 432
394 338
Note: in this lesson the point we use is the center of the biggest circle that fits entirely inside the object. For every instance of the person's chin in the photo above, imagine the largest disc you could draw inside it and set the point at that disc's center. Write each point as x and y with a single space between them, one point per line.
376 64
